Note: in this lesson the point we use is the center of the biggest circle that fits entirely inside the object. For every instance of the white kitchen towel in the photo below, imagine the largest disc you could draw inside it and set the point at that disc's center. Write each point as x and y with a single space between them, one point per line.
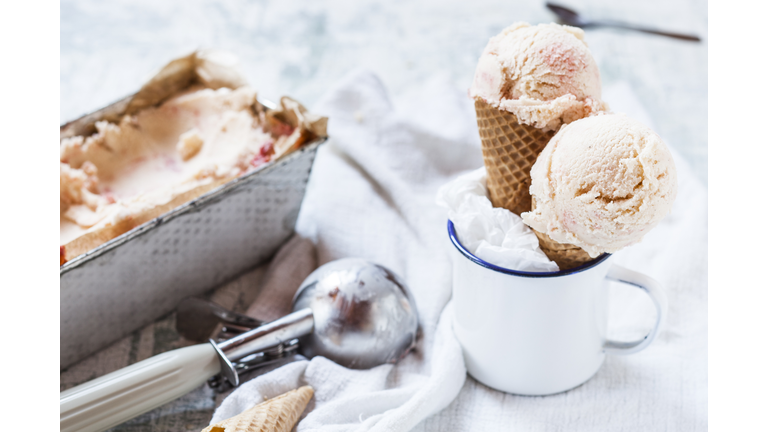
372 195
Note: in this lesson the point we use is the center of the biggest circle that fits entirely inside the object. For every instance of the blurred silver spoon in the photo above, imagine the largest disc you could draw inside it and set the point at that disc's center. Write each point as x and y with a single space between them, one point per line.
572 18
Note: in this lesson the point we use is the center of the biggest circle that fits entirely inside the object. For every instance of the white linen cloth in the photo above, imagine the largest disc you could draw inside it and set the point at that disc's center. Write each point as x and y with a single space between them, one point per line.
372 195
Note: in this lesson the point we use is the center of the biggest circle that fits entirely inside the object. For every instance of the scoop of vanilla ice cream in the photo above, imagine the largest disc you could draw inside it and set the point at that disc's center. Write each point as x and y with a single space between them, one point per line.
602 183
543 74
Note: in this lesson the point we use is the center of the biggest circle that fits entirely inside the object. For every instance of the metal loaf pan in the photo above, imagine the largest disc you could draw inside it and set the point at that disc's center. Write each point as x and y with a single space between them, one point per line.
132 280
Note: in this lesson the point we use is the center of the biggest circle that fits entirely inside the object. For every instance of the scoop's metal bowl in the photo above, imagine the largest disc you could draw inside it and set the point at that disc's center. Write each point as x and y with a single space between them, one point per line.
364 315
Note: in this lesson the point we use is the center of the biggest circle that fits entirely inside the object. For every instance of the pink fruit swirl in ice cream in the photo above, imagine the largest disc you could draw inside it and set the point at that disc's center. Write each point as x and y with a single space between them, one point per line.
545 75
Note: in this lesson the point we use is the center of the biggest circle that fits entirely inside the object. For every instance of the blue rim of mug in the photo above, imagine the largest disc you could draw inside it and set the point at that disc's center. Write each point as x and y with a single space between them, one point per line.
470 256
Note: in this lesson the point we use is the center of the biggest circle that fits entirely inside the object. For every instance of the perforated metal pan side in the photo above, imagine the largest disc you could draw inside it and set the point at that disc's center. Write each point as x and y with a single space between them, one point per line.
141 275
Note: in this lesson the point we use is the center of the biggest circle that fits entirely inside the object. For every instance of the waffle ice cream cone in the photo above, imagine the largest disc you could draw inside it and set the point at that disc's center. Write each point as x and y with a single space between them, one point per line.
509 151
566 256
529 81
278 414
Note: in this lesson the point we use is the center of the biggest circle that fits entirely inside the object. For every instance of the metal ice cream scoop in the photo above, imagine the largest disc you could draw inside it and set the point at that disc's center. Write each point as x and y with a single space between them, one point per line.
354 312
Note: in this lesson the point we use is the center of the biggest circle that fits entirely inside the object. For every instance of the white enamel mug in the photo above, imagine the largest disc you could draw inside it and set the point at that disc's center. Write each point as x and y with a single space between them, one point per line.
539 333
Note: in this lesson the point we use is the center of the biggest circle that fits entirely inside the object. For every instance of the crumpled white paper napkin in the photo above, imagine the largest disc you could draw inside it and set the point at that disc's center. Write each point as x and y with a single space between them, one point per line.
495 235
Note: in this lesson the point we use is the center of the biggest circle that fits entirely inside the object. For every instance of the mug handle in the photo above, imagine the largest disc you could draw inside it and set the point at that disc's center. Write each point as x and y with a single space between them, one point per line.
653 289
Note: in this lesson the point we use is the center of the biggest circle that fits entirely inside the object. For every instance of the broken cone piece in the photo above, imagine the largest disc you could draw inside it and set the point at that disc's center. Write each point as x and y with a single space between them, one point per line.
279 414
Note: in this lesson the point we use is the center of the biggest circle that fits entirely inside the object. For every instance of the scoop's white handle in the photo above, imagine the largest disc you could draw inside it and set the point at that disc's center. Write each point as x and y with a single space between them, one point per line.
114 398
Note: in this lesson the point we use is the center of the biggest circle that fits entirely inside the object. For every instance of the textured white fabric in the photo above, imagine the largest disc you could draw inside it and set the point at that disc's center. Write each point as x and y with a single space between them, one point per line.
372 195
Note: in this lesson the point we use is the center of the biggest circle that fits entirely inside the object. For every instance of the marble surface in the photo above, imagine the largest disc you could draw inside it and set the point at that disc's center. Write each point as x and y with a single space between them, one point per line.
300 48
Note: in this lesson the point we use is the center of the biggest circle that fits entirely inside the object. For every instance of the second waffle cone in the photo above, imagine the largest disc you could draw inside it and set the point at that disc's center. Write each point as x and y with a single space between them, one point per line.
509 151
567 256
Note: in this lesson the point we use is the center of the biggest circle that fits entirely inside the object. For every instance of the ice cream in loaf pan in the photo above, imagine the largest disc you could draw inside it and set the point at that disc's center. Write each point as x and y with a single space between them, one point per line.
203 130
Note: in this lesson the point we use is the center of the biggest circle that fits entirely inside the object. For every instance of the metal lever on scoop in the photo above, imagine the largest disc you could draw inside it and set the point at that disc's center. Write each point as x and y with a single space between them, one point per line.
124 394
260 339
